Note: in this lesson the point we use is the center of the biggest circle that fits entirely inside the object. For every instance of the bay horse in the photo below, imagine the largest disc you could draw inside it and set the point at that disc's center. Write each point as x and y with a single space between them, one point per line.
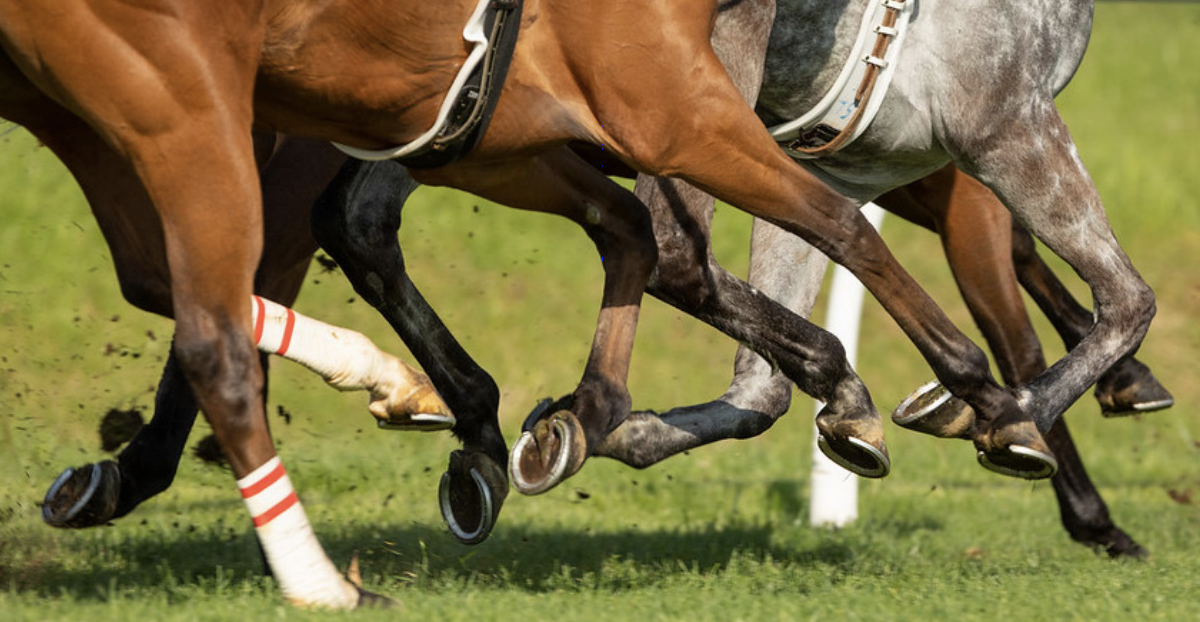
174 88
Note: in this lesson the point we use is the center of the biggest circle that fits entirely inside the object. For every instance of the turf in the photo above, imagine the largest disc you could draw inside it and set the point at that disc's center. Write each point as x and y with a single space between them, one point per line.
715 534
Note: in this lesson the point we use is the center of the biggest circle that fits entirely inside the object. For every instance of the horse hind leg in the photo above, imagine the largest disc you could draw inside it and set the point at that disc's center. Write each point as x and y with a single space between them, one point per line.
356 221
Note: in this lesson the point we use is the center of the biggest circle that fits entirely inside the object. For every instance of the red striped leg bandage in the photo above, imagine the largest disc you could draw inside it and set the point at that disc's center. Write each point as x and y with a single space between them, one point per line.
346 359
305 574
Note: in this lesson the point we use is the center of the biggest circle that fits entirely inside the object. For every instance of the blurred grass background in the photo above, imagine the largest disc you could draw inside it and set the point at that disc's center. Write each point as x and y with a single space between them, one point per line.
714 534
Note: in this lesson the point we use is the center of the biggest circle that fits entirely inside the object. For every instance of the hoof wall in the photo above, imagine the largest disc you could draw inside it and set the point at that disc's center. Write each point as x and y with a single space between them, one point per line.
933 410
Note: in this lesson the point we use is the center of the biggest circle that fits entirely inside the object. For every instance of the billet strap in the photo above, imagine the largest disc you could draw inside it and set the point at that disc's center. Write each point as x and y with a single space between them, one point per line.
468 106
850 106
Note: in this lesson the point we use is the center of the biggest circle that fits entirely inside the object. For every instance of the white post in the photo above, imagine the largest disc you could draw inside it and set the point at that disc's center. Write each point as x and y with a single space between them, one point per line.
833 500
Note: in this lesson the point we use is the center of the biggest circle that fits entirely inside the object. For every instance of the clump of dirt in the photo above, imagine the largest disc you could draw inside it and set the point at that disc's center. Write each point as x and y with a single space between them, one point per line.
119 426
209 452
328 265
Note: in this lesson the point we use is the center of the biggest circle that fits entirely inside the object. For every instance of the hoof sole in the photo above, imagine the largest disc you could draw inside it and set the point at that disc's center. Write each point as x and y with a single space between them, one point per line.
419 422
857 456
483 499
1138 408
83 497
544 457
1020 462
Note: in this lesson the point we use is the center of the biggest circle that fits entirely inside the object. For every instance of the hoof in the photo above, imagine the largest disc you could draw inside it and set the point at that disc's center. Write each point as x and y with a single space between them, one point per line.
1017 450
418 422
857 456
471 493
932 410
553 450
83 497
854 444
1130 388
1018 461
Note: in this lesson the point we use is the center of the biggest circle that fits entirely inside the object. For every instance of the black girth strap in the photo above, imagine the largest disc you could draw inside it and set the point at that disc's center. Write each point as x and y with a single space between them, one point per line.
475 103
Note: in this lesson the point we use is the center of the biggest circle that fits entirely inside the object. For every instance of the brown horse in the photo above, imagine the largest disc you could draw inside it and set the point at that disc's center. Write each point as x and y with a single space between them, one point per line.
174 88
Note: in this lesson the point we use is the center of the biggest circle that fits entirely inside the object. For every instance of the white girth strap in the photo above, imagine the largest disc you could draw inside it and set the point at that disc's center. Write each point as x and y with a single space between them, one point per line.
838 107
472 33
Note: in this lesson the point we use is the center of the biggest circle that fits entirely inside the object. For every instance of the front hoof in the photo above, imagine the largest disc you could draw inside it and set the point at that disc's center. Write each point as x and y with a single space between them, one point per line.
1017 450
932 410
1130 389
856 456
1018 461
471 493
553 450
855 444
83 497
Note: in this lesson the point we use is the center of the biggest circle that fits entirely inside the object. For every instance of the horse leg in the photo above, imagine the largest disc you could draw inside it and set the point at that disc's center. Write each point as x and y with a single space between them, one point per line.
756 176
212 279
556 440
356 220
1055 199
97 493
783 267
976 234
1084 514
783 270
1129 386
212 232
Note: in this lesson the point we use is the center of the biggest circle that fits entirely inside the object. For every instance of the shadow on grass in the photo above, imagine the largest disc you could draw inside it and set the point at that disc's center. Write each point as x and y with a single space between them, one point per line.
413 556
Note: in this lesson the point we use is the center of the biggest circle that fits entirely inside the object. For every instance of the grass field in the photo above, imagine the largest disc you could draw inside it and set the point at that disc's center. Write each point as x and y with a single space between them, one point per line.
716 534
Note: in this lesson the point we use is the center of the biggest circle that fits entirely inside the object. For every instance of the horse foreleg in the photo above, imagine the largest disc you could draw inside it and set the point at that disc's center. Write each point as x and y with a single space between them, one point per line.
1126 388
1054 198
556 440
976 234
292 175
783 270
356 220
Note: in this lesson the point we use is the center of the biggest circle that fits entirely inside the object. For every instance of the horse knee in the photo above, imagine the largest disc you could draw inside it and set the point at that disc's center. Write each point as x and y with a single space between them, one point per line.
224 371
625 235
1134 310
970 372
682 278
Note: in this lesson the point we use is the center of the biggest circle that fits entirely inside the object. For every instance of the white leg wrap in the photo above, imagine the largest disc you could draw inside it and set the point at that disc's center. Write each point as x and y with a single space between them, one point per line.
304 572
348 361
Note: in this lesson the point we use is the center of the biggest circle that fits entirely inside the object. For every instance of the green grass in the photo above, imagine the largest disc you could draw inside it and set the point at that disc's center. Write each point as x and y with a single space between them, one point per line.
716 534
